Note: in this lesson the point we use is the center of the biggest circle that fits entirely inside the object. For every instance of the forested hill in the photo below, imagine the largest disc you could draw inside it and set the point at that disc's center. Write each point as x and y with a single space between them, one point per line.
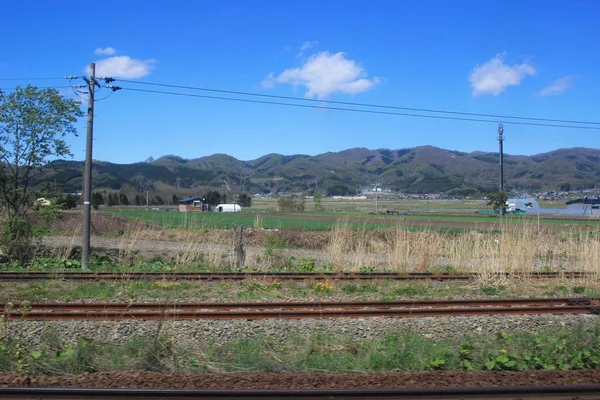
422 169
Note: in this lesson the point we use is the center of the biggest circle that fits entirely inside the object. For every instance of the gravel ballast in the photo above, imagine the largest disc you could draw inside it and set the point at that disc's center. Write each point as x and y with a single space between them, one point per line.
200 332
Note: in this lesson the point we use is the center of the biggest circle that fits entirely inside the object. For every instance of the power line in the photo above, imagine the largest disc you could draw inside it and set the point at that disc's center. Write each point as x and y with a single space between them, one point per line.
358 110
361 104
29 79
38 87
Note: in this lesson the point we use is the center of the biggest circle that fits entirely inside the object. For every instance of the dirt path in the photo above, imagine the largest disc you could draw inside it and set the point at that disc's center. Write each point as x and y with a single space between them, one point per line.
135 379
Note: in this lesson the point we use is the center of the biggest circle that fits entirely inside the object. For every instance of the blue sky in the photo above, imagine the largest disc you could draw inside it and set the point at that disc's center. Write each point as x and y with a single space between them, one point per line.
526 58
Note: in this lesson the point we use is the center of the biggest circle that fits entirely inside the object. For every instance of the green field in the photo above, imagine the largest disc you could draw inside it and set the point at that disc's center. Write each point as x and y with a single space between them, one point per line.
444 215
226 220
319 221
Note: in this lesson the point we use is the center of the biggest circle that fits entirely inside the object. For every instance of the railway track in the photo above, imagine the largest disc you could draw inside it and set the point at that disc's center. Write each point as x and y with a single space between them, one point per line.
562 392
282 276
297 310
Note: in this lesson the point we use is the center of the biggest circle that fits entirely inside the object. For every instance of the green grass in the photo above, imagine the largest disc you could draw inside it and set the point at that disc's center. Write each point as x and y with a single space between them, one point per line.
321 352
177 220
411 290
324 352
103 264
360 289
221 220
496 291
273 290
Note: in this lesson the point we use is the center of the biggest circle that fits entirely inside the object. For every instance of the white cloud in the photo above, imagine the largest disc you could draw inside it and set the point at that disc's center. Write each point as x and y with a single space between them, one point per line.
124 67
307 45
494 76
109 51
558 86
269 82
325 74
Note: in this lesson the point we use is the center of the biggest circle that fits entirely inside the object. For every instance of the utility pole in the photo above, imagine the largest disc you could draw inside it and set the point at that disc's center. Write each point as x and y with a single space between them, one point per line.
90 85
87 176
500 140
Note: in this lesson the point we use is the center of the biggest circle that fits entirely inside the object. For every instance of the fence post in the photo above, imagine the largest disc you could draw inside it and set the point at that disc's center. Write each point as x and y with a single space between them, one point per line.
240 253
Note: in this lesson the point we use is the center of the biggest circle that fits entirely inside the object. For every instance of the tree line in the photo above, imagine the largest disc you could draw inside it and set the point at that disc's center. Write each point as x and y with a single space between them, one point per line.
212 197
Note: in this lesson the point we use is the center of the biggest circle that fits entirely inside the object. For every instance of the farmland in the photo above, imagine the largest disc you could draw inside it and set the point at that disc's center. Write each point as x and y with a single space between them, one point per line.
500 254
454 216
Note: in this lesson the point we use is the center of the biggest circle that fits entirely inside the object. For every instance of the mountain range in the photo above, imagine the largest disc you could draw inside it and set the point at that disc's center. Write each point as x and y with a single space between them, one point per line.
423 169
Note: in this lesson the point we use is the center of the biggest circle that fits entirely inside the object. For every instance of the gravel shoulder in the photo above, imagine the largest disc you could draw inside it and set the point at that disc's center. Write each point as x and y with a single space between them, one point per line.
197 334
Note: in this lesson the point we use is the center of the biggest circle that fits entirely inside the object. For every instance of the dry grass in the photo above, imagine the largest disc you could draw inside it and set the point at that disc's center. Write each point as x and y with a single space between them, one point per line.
522 248
258 221
516 248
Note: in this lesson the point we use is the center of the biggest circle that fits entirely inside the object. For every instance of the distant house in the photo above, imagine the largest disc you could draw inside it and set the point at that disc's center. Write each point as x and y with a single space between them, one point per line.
585 201
193 204
523 205
585 206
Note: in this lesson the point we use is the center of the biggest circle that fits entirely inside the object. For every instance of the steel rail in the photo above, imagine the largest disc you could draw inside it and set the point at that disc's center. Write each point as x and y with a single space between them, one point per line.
585 391
295 276
517 302
294 314
248 311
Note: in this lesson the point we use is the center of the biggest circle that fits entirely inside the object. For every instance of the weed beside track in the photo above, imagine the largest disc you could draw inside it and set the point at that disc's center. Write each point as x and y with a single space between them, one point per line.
573 349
